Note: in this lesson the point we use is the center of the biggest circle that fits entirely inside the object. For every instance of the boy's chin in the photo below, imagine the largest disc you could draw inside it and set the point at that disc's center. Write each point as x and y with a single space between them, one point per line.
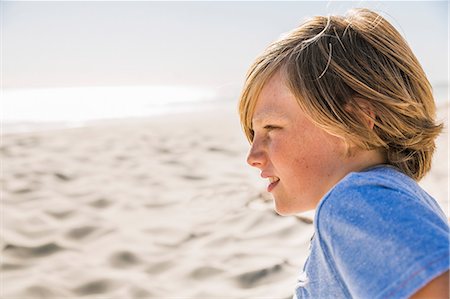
289 210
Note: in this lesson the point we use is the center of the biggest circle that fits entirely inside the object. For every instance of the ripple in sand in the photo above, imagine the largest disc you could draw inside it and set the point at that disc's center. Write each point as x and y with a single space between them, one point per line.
162 150
258 277
124 259
171 162
193 177
5 151
23 141
20 175
159 267
37 292
305 219
80 232
22 189
30 234
160 204
100 203
83 232
262 201
137 292
219 241
12 266
64 214
63 176
205 272
96 287
32 252
220 150
176 241
122 158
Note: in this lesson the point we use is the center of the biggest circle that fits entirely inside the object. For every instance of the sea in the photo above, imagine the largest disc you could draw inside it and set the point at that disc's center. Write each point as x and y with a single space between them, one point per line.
25 110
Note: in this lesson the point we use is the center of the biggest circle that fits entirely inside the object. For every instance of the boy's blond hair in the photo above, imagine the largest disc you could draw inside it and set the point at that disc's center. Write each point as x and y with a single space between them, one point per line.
344 71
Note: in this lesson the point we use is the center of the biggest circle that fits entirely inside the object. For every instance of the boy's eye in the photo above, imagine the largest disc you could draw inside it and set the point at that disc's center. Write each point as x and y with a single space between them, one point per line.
270 127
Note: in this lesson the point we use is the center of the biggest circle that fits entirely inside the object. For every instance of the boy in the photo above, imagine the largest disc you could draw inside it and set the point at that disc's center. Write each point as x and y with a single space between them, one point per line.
340 116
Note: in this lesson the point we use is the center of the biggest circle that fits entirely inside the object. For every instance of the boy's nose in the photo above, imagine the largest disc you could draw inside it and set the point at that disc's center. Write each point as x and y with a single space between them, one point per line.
256 157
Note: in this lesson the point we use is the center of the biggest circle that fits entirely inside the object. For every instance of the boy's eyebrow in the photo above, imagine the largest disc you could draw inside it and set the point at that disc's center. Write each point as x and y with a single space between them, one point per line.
262 117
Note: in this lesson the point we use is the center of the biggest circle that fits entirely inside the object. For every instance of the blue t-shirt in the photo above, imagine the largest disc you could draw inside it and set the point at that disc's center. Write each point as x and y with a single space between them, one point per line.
377 235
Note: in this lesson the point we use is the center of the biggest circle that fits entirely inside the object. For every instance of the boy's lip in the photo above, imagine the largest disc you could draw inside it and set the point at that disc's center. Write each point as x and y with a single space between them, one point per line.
266 175
273 180
272 185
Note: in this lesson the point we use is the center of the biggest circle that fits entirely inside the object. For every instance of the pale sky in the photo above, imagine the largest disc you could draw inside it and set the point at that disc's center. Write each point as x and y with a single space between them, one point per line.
211 44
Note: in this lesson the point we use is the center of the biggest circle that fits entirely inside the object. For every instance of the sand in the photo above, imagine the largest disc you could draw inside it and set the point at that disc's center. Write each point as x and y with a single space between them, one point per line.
164 207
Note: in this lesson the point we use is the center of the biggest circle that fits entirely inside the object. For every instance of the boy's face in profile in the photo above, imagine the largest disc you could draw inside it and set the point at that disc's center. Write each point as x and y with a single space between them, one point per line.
301 161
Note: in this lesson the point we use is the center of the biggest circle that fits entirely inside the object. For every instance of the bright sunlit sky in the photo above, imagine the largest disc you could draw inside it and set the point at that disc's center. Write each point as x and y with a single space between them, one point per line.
211 44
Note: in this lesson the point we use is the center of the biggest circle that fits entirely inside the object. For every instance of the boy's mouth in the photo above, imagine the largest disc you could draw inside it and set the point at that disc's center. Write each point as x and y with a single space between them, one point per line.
273 183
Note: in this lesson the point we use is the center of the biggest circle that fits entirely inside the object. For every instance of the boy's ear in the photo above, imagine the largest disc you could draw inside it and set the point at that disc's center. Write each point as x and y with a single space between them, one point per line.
364 109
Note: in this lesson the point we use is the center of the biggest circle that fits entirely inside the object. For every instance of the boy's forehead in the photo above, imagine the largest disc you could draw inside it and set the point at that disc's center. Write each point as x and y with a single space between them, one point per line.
271 107
268 114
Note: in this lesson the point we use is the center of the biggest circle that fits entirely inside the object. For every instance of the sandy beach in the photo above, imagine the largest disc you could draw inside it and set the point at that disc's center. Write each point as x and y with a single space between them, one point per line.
163 207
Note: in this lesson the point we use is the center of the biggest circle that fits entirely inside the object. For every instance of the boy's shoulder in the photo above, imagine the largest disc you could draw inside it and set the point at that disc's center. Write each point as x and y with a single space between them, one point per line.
381 194
378 186
375 180
381 219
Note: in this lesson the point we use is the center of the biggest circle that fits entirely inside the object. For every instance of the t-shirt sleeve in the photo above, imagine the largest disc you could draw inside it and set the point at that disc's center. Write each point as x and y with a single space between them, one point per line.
382 242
